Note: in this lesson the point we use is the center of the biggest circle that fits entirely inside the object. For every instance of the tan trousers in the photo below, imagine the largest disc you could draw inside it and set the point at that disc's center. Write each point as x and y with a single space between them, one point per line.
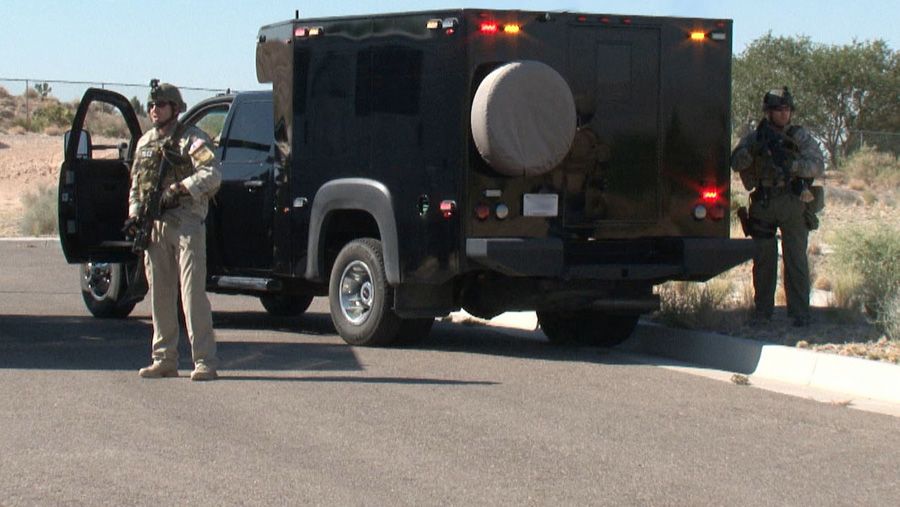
176 253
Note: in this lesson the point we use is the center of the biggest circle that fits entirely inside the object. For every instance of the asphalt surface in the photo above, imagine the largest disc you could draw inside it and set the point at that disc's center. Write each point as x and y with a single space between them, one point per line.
470 416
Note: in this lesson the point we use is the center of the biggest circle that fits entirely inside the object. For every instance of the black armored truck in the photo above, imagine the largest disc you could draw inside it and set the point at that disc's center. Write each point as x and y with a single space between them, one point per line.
408 165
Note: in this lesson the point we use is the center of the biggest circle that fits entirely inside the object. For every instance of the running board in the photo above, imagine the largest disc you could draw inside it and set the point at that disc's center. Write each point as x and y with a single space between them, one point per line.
247 283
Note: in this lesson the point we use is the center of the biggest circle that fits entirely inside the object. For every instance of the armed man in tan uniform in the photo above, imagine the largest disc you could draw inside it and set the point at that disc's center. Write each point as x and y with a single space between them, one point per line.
176 254
778 162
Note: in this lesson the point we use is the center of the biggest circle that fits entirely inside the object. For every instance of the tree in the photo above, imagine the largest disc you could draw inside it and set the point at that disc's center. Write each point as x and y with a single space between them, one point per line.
43 90
138 107
837 89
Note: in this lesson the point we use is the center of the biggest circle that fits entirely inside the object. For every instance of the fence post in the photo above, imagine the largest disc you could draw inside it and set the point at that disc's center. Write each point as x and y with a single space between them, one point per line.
27 113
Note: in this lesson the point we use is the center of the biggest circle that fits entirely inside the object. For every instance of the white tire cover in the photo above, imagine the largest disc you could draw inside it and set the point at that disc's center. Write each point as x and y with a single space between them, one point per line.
523 118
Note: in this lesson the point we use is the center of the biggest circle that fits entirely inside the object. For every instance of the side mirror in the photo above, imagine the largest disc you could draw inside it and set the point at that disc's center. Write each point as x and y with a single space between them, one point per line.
123 150
84 150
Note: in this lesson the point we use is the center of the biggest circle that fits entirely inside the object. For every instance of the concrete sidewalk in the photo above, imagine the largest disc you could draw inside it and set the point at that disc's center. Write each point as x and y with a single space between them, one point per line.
849 376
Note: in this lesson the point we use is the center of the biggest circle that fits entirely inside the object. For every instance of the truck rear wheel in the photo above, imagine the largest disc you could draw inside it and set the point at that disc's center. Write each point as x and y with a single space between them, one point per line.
586 327
103 288
285 305
360 298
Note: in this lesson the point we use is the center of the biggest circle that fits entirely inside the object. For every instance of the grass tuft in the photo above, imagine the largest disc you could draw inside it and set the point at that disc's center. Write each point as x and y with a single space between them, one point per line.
39 218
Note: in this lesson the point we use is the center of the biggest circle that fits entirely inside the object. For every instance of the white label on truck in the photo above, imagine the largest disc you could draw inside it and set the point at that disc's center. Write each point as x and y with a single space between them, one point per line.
540 205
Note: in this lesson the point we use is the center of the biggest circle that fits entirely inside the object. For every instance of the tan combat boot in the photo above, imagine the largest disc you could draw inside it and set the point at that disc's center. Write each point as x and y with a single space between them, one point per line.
203 372
159 370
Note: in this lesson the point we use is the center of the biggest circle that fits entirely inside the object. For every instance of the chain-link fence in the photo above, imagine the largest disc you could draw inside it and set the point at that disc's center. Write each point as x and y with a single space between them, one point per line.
882 141
34 90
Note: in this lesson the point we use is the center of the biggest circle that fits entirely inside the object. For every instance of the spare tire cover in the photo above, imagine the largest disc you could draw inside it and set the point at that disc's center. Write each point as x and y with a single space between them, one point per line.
523 118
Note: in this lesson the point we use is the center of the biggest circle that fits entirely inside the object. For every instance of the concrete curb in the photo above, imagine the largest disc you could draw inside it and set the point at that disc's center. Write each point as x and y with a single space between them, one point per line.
847 375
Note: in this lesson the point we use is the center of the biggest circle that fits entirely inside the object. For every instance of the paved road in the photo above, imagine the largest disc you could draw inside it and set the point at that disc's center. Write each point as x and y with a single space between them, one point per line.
471 416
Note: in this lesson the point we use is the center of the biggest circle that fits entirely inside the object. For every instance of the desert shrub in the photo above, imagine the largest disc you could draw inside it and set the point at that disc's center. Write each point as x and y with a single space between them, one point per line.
889 318
836 195
694 305
873 168
51 115
871 252
4 92
39 217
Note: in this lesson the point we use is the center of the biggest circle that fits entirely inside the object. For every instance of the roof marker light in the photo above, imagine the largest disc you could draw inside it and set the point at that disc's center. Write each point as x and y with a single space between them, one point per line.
489 27
698 35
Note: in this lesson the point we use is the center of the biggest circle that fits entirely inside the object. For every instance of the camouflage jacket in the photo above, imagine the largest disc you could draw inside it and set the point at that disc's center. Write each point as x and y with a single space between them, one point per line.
195 167
804 157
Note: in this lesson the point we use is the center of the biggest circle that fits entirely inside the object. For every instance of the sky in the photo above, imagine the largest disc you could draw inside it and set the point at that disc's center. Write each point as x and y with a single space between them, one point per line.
211 44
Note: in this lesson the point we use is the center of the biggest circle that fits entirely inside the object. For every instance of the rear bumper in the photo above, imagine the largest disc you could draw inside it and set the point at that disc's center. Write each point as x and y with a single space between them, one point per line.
653 259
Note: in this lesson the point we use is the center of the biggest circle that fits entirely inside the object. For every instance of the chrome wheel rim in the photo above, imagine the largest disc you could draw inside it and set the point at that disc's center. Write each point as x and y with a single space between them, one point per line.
97 278
357 292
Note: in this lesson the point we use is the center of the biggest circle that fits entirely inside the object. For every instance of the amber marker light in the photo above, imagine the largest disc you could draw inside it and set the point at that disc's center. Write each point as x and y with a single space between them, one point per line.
698 36
511 29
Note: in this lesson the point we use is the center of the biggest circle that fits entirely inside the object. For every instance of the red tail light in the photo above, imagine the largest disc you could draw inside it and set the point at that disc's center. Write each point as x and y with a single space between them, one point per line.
489 27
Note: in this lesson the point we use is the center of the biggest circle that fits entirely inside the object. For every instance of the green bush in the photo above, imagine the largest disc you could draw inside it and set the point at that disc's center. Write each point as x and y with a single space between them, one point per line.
889 318
872 254
39 218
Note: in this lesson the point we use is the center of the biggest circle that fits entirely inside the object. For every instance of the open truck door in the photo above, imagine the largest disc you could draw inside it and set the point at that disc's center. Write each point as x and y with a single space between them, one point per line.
93 204
93 185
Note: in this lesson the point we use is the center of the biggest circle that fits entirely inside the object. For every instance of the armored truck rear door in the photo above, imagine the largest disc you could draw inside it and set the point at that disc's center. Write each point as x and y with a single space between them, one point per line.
94 180
614 74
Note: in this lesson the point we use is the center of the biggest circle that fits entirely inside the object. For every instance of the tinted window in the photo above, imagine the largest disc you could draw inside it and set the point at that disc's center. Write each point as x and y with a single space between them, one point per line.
388 80
211 122
250 134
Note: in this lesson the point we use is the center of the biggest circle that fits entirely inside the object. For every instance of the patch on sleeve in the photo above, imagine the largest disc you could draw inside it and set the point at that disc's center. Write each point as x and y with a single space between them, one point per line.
201 153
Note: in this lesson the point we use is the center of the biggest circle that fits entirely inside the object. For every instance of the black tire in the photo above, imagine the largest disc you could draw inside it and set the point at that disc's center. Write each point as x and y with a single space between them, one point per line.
285 305
360 298
586 327
104 289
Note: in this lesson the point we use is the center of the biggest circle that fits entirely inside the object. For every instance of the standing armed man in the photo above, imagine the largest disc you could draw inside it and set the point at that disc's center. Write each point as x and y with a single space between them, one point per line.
176 254
778 161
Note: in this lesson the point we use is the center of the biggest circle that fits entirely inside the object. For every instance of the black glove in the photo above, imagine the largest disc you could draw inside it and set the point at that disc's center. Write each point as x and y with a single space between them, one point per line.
129 229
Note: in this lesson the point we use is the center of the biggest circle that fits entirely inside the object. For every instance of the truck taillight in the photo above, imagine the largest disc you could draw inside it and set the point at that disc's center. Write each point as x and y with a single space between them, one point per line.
709 205
448 208
482 212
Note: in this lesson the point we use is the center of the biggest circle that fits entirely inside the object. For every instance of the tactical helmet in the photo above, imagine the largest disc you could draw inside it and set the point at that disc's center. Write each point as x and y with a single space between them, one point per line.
165 92
777 98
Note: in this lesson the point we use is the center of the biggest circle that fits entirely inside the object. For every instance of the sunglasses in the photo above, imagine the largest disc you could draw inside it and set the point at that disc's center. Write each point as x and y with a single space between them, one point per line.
158 105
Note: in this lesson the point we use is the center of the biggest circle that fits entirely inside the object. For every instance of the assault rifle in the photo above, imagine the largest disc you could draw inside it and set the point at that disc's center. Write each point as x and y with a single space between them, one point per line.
152 205
775 152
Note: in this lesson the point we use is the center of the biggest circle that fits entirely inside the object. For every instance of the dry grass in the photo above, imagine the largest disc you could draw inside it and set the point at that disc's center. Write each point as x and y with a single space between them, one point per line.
40 217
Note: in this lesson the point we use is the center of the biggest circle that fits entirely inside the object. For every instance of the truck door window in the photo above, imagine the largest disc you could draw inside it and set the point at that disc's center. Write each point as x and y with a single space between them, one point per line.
212 122
250 134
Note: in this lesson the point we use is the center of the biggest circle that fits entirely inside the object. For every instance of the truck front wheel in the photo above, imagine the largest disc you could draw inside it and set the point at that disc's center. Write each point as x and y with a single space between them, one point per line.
359 296
586 327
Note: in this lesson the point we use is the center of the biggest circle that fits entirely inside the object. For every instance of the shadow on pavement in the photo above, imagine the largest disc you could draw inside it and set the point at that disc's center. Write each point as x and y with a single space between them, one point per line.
87 343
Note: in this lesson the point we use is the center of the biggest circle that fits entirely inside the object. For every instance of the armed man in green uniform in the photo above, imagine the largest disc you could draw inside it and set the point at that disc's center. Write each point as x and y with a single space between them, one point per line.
176 253
778 162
